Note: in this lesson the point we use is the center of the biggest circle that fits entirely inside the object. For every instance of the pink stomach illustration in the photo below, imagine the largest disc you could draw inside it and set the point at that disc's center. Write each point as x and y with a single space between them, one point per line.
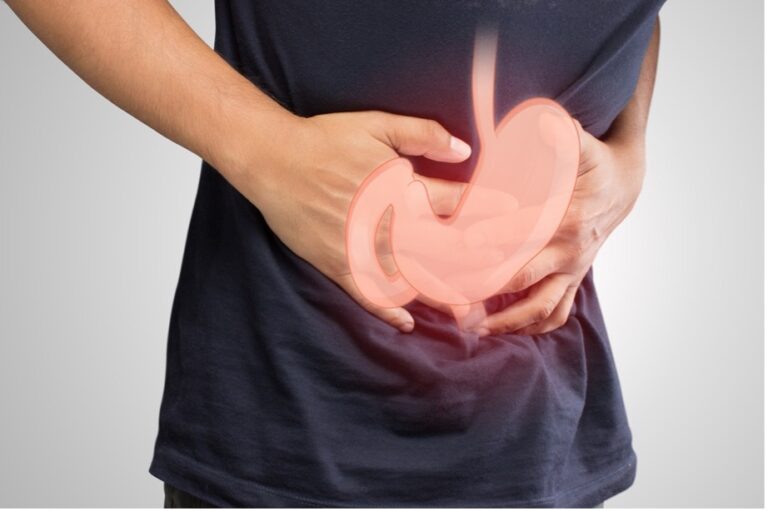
514 202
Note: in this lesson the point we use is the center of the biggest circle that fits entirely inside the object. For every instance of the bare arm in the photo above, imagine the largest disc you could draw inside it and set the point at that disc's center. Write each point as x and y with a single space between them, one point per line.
143 57
611 177
300 172
629 127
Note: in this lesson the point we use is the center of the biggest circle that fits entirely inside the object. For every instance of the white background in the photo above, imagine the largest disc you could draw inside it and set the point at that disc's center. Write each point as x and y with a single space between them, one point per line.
94 209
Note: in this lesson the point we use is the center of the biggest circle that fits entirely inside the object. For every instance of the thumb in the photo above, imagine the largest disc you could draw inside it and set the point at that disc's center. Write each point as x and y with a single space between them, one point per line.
413 136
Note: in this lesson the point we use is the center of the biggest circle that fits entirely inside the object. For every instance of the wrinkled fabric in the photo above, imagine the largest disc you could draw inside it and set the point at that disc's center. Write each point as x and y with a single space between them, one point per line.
281 391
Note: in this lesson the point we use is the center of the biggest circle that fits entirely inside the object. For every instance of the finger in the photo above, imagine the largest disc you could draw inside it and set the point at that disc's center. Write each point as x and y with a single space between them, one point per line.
442 307
550 260
397 317
423 137
557 319
384 245
536 307
444 195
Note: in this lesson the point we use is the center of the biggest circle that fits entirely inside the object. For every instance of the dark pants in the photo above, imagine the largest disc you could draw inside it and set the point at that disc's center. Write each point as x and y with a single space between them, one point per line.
177 498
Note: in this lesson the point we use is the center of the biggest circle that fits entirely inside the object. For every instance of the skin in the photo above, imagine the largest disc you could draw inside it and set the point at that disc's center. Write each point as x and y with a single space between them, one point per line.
610 178
302 173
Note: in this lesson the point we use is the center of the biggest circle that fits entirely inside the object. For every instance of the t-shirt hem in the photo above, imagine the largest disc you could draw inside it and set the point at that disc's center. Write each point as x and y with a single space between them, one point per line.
212 486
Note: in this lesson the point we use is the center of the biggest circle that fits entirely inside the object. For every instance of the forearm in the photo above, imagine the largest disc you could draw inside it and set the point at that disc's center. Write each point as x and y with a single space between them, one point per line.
626 138
630 126
142 56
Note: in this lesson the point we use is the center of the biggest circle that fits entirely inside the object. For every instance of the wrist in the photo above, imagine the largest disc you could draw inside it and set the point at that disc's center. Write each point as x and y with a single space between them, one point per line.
259 145
630 159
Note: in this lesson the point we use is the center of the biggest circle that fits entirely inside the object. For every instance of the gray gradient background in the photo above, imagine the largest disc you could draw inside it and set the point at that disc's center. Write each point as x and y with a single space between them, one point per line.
94 209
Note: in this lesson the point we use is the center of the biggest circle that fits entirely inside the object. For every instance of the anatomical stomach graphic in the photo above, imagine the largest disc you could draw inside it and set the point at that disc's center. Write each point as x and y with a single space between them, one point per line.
517 196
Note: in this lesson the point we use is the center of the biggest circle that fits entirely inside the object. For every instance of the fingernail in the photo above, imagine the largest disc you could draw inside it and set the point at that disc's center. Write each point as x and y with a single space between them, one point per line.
481 332
406 326
460 148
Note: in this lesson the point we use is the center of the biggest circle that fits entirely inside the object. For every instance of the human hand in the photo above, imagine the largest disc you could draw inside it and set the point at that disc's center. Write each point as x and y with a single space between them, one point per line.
305 201
609 182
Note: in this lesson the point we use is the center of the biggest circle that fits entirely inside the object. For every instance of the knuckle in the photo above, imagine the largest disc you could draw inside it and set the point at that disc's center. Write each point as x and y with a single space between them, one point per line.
570 230
545 309
432 129
527 277
384 118
559 320
376 118
587 242
337 266
582 230
501 325
506 326
578 214
583 227
580 243
591 233
579 248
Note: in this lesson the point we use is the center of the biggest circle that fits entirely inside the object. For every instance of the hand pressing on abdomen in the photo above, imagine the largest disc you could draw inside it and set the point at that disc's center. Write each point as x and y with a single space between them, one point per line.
306 201
301 173
609 182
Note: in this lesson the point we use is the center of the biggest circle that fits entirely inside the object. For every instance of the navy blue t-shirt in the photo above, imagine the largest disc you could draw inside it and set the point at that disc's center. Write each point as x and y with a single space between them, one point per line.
282 391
